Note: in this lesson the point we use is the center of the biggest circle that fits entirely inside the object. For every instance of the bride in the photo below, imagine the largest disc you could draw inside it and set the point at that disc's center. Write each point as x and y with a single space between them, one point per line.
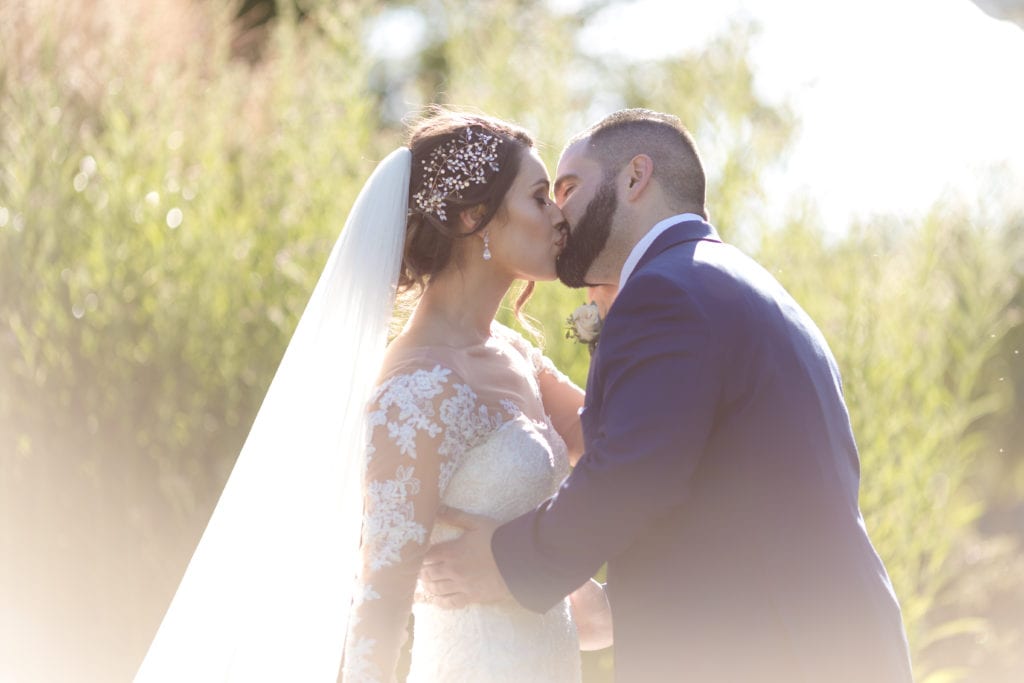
357 446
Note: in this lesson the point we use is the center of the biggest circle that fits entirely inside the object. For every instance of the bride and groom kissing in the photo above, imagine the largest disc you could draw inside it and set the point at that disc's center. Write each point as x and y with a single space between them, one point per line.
710 463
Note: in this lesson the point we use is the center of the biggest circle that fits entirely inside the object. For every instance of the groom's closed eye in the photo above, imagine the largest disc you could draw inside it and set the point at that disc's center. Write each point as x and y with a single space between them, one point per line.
564 187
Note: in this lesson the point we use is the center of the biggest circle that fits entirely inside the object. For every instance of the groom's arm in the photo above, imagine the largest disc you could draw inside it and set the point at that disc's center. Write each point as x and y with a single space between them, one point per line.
659 381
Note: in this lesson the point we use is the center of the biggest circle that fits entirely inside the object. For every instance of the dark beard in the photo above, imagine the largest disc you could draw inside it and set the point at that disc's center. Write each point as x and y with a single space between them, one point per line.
585 243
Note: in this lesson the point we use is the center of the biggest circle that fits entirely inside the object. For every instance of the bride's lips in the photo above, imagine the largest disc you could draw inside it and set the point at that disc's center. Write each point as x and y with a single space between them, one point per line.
563 236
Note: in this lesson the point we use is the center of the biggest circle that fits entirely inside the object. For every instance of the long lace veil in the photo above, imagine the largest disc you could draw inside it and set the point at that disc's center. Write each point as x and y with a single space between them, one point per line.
266 594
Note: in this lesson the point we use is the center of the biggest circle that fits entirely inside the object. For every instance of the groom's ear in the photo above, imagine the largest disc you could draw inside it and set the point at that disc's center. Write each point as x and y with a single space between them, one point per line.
639 172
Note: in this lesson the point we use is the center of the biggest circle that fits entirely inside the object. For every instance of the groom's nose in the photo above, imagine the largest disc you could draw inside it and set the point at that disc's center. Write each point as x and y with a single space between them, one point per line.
556 213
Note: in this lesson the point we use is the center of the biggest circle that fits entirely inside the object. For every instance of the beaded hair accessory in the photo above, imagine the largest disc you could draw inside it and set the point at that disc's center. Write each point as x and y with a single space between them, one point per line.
454 166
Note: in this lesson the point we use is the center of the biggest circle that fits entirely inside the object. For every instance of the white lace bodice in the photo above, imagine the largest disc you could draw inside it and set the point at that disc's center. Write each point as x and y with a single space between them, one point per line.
488 449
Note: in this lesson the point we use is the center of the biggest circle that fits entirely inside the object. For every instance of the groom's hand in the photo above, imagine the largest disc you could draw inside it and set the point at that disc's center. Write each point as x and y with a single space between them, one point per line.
462 572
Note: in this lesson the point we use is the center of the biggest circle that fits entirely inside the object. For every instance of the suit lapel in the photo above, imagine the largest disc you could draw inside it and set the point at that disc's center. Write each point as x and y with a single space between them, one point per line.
687 231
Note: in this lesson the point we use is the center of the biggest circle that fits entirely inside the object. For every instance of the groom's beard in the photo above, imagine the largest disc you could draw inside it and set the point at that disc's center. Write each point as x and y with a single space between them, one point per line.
585 243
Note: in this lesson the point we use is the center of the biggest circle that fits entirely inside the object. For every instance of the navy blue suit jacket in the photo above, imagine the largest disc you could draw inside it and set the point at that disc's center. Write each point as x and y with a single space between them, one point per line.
719 481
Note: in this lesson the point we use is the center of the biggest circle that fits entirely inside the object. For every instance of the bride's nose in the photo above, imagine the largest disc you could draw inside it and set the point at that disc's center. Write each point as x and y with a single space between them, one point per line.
556 215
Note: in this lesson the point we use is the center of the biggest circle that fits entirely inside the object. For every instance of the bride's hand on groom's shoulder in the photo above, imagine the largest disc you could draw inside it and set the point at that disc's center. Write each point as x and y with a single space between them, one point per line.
463 572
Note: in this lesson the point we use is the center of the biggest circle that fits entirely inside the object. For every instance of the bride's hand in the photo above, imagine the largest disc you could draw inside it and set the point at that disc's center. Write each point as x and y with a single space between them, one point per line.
462 572
593 616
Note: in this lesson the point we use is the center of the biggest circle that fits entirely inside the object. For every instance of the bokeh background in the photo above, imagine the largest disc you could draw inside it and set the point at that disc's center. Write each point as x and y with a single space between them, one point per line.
174 172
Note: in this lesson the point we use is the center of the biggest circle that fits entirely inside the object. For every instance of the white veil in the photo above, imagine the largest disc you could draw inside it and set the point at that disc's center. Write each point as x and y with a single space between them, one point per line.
266 594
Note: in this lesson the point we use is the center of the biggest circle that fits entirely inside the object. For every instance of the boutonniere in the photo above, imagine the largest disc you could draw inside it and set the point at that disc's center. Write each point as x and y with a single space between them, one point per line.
584 325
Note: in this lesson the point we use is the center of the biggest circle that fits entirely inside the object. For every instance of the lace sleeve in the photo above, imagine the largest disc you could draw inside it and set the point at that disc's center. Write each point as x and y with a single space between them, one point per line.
561 397
541 363
418 431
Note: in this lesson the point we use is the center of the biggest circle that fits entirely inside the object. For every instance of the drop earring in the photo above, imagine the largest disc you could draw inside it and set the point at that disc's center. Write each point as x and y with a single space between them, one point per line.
487 247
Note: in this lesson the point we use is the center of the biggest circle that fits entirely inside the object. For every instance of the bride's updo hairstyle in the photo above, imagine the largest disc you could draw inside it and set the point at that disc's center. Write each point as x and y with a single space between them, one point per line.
459 161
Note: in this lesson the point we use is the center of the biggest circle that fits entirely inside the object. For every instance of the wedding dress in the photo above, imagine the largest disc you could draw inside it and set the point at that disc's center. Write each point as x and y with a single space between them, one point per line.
268 595
466 428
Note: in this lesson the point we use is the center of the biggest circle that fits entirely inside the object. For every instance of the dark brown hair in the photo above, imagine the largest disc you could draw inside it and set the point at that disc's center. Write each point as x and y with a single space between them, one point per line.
429 239
620 136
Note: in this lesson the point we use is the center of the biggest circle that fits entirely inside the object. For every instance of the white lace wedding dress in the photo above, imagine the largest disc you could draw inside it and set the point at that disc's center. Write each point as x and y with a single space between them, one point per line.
465 428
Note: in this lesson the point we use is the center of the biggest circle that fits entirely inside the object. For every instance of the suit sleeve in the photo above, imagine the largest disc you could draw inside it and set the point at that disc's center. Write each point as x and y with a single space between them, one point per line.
659 378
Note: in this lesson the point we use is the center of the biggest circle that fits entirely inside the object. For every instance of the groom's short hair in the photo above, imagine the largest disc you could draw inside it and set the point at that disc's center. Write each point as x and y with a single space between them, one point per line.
620 136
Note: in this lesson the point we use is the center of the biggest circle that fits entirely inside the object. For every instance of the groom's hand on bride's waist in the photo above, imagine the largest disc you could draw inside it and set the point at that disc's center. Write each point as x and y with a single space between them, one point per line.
462 572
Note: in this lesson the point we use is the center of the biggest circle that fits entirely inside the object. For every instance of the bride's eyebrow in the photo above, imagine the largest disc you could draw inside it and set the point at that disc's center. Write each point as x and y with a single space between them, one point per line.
542 183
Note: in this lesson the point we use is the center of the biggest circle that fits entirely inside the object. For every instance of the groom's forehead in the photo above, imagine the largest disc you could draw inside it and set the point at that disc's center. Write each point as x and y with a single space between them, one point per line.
574 152
574 163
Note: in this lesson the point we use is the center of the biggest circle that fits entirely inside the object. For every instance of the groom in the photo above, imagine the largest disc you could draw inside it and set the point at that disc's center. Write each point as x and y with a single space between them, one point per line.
720 475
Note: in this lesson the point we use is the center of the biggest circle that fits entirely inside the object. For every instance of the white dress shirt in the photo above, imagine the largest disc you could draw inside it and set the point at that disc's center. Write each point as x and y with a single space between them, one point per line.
647 240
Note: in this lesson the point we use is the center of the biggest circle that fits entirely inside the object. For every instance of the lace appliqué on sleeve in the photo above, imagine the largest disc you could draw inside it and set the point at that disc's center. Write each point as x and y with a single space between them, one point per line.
391 523
411 395
359 665
421 424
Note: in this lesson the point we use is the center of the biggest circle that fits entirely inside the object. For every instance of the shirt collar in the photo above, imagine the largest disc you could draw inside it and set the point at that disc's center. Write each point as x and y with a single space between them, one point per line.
647 240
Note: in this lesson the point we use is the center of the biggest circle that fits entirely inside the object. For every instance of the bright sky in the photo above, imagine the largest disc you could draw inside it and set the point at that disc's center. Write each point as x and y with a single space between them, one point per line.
901 102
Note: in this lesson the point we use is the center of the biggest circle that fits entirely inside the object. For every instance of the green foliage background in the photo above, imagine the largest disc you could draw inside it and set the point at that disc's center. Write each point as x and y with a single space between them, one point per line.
172 176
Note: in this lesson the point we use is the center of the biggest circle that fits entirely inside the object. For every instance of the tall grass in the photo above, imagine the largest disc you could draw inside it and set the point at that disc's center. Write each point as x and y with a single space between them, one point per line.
915 313
168 210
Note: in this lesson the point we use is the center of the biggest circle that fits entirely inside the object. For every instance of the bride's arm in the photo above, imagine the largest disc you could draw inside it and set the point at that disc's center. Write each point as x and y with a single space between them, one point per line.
562 401
562 398
593 616
405 474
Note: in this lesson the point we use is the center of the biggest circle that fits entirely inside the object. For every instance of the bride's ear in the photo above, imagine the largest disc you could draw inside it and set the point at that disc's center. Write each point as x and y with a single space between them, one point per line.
469 218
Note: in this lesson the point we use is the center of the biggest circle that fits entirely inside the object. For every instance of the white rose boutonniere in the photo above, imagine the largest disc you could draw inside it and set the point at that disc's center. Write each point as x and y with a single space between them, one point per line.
584 325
